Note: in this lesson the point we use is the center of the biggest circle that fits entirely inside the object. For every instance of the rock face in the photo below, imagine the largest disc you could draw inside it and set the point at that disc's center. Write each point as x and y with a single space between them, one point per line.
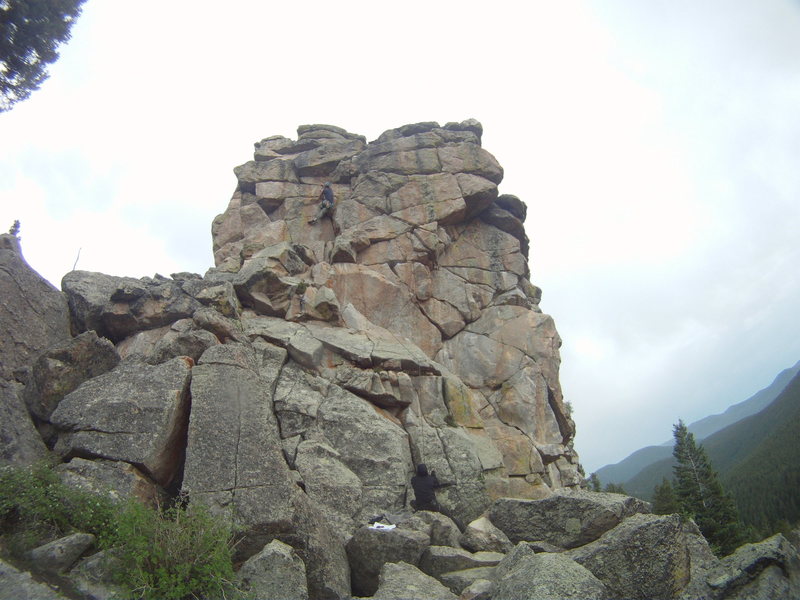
420 275
33 314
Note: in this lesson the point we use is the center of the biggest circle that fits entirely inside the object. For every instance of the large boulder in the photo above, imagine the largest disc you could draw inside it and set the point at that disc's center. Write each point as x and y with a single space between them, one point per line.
136 413
33 314
482 535
437 560
59 555
546 576
645 556
401 581
564 519
63 367
768 569
20 585
275 572
116 307
369 549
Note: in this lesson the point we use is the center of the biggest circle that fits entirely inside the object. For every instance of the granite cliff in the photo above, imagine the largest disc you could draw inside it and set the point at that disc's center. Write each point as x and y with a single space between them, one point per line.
294 386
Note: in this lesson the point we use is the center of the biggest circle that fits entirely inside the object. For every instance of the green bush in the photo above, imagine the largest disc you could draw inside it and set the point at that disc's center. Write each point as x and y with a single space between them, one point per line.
171 554
36 507
174 553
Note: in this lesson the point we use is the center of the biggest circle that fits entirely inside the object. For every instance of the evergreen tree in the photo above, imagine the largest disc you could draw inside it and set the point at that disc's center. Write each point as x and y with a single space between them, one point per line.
30 33
615 488
700 494
665 502
594 482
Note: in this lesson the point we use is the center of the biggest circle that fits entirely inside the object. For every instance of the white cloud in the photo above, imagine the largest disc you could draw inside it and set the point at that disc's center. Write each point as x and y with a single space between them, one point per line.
655 144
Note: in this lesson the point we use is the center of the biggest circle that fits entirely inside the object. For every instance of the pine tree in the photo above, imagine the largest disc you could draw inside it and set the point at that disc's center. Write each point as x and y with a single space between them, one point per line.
615 488
594 482
665 502
700 494
30 33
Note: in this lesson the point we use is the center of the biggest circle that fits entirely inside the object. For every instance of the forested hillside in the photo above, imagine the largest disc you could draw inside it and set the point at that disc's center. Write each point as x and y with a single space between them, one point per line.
635 464
758 461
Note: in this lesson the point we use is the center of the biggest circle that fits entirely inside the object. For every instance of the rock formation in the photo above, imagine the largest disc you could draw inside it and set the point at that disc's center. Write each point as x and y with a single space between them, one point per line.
293 388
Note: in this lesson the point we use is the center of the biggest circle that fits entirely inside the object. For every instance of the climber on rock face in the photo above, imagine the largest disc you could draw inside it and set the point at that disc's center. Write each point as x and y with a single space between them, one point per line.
424 485
325 202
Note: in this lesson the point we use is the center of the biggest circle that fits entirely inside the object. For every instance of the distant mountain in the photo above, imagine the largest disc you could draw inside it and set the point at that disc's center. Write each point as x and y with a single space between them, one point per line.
636 466
757 459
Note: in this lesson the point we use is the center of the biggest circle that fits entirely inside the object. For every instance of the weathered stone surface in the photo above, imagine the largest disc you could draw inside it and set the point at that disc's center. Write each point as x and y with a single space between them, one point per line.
482 536
137 413
183 338
93 576
480 589
116 307
401 581
329 483
275 572
437 560
371 446
19 585
662 558
564 519
59 555
33 314
235 463
20 443
505 221
369 549
546 576
442 530
63 367
767 569
458 581
115 479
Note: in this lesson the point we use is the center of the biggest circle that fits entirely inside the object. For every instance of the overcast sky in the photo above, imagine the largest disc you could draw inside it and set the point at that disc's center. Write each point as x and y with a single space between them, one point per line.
657 145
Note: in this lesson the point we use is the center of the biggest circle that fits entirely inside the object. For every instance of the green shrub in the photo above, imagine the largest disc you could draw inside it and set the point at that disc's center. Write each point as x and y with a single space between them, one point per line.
166 554
174 553
36 507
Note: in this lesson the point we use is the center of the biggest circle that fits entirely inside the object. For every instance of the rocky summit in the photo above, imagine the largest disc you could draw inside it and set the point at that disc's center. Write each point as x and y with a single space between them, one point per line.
295 386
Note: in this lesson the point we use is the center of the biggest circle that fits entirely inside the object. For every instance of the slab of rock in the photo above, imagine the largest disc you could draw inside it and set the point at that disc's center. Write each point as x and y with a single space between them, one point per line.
369 549
437 560
59 555
442 529
20 443
136 413
767 569
401 581
20 585
275 572
93 576
566 520
482 536
329 483
117 307
33 314
458 581
546 576
63 367
235 463
116 480
656 544
480 589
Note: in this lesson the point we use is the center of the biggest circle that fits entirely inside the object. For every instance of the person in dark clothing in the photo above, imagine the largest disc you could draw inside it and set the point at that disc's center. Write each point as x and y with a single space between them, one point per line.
424 486
325 202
